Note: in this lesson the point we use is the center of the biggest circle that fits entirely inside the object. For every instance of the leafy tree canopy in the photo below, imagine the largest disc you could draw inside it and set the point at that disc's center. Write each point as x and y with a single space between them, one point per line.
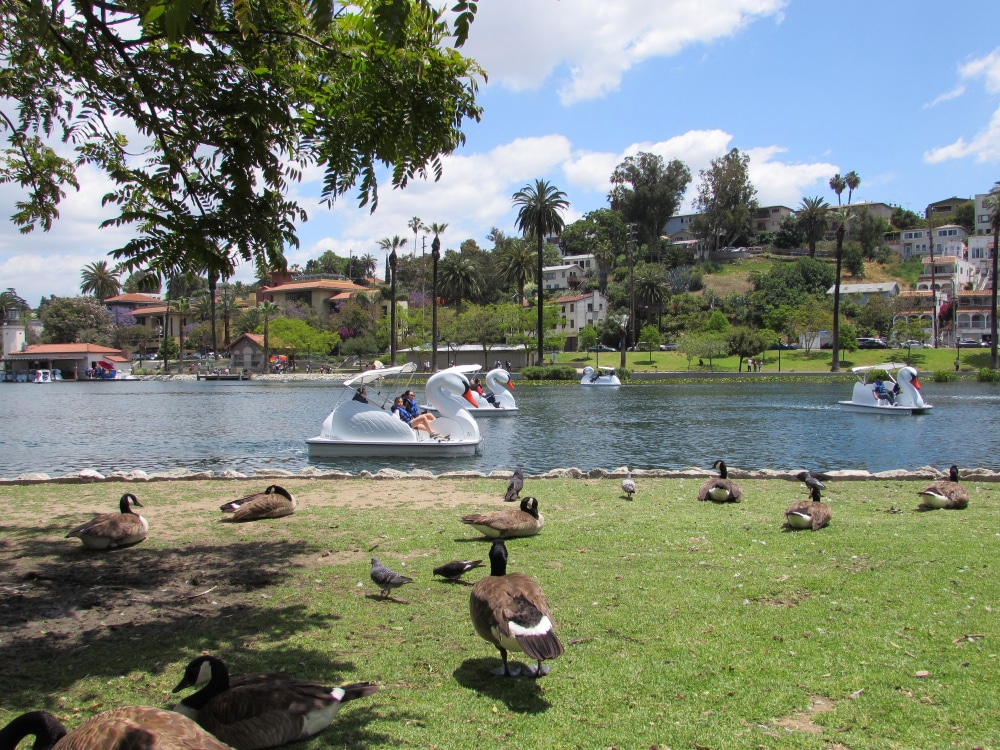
793 283
727 200
647 191
75 320
229 104
299 336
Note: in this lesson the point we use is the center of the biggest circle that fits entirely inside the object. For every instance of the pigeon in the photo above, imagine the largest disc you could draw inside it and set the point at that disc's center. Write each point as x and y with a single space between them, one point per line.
456 568
514 486
628 484
387 579
811 480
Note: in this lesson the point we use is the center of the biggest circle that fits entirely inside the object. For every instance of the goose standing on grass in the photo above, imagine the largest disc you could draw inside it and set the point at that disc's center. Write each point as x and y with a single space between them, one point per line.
128 728
386 579
110 530
508 522
274 502
721 489
808 514
510 611
628 484
945 493
454 570
514 486
264 710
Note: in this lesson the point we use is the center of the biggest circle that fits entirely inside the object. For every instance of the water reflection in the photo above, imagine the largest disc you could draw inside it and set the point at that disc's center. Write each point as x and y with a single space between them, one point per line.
260 425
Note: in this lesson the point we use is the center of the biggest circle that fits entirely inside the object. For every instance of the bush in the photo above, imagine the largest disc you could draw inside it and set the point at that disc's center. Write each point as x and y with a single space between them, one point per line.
944 376
986 375
559 372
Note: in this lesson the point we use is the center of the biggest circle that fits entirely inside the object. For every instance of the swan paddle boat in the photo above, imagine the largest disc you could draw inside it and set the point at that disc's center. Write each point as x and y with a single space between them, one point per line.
901 394
370 428
601 376
497 382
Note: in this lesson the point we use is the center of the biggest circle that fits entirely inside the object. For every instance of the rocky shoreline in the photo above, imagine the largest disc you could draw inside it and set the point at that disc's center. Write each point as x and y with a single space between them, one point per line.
89 476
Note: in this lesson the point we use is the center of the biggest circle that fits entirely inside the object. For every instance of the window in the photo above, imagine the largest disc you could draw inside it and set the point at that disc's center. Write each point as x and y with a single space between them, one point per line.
572 307
590 307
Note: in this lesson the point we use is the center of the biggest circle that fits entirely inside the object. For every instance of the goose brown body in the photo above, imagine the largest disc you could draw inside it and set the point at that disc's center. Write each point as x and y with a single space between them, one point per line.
721 489
510 611
945 493
508 522
273 502
127 728
262 710
808 514
111 530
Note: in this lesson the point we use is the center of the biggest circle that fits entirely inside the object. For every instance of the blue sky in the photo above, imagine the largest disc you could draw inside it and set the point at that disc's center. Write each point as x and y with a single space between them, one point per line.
904 92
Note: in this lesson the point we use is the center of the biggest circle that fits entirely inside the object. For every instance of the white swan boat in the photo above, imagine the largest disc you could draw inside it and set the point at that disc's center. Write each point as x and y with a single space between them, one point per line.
497 382
358 428
601 376
902 390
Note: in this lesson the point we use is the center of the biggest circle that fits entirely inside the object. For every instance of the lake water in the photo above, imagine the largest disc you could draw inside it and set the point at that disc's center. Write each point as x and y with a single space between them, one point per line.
155 426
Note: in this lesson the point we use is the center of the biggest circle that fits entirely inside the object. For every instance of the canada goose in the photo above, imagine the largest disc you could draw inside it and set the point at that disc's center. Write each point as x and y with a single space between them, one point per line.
628 484
274 502
510 611
110 530
128 728
508 522
945 493
455 569
721 489
514 486
808 514
264 710
387 579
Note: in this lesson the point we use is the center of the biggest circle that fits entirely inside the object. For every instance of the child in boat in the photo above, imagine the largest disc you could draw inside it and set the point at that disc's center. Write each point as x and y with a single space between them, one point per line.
420 422
881 392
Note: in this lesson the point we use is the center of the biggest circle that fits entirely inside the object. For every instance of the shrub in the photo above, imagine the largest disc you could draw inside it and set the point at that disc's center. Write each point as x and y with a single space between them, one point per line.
986 375
944 376
559 372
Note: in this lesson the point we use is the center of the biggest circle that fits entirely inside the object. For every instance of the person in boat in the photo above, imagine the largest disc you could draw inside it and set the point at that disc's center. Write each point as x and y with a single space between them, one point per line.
361 395
881 392
420 422
478 386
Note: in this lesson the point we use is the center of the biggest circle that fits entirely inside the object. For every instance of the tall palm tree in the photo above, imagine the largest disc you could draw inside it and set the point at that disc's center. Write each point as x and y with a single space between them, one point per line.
539 214
268 310
438 230
517 265
99 280
369 264
605 256
811 217
460 278
415 224
995 225
183 308
853 181
391 245
650 286
227 297
838 185
841 219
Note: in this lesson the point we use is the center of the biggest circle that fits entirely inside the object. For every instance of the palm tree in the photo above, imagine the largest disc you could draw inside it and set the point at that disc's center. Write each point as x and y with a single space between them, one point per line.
517 264
995 224
649 289
838 185
538 214
605 257
853 181
438 230
99 280
183 308
415 225
811 217
841 219
368 264
460 278
391 245
268 310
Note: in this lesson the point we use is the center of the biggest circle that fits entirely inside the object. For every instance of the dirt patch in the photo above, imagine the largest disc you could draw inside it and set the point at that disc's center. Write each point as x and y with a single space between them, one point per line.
800 721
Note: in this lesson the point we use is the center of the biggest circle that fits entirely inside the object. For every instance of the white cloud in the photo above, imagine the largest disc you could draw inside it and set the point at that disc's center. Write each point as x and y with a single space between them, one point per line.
592 43
781 184
984 147
987 67
946 96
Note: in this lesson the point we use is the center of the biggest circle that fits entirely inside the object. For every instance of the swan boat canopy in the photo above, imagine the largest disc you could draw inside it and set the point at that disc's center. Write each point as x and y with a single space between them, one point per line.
357 428
601 376
901 394
496 386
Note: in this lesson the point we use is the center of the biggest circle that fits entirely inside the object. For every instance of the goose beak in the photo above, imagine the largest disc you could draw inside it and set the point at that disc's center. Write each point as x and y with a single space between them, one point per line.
467 395
510 384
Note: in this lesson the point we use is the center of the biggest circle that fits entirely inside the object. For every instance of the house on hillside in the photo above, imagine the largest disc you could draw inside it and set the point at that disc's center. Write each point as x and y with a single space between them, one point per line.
577 311
565 276
861 293
324 294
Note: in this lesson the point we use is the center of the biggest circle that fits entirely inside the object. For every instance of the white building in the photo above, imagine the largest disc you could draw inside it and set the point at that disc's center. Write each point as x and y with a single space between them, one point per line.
577 311
566 276
984 207
860 293
981 256
587 262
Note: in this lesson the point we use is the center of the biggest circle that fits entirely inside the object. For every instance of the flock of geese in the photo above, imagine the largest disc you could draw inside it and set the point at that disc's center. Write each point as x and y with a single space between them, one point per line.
247 712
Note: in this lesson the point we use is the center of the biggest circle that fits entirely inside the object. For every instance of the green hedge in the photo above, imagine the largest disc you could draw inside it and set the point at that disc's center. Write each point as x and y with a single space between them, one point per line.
557 372
944 376
986 375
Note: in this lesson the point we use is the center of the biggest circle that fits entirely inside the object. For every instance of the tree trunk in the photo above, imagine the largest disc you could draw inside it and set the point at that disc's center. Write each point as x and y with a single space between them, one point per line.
541 317
993 303
835 364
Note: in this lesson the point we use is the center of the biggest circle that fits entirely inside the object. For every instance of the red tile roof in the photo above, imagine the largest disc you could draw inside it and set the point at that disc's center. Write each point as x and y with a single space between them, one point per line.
35 351
137 299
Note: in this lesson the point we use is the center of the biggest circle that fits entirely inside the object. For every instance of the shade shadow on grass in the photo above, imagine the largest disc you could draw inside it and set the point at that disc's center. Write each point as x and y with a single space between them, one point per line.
519 694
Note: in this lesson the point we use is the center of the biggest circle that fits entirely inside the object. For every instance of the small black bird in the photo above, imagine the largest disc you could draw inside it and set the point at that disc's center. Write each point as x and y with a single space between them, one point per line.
514 486
387 579
456 568
811 480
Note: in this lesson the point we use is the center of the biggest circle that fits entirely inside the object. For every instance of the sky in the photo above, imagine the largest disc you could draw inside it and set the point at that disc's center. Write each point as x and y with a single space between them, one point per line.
904 92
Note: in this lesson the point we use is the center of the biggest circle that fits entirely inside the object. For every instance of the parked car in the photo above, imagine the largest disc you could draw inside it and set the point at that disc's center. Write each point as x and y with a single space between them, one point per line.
783 346
970 344
870 343
668 347
600 348
914 344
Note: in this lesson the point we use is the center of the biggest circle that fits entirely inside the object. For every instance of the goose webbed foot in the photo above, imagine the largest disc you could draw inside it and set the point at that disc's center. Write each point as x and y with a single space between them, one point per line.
535 672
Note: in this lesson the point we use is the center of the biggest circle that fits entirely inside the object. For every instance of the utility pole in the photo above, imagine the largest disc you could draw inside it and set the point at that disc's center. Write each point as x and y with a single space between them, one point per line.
934 311
435 256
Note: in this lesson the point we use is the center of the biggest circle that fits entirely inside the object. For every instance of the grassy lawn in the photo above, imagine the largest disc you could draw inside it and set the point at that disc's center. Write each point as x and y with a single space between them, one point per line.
686 624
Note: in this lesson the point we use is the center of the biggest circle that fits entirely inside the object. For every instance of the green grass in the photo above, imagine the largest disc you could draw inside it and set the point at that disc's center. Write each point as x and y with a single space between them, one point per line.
686 624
